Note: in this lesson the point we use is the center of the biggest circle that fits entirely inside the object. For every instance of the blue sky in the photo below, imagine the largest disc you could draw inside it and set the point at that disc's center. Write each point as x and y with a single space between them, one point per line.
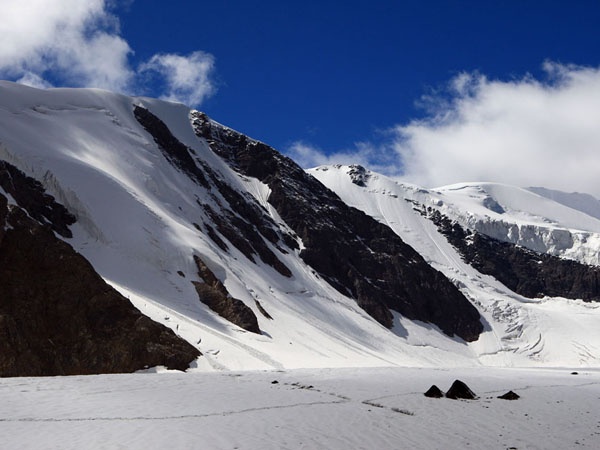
326 81
337 72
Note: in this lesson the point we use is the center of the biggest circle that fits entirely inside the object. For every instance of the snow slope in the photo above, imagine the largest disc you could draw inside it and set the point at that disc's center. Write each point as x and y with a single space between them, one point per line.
548 331
137 220
580 202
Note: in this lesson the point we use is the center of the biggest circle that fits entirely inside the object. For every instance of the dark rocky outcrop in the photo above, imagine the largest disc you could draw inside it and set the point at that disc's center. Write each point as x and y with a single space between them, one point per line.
358 174
238 217
434 392
213 294
30 195
262 310
59 317
510 395
244 236
521 270
176 152
459 390
356 254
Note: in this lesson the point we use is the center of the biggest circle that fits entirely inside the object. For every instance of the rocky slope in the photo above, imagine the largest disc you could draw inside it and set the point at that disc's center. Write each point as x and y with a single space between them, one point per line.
523 271
352 251
57 315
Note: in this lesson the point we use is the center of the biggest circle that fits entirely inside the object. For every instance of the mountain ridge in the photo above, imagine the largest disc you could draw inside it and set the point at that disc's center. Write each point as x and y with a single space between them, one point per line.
294 195
157 187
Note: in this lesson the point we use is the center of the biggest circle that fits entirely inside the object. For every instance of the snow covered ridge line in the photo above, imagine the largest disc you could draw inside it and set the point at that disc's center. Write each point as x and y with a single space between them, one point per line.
149 212
569 228
542 220
528 273
526 218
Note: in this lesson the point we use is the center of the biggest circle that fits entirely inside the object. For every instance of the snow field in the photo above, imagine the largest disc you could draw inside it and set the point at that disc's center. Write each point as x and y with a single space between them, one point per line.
326 408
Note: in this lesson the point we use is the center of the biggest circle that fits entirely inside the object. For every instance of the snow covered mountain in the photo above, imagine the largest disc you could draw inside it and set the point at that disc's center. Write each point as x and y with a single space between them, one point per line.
526 261
258 265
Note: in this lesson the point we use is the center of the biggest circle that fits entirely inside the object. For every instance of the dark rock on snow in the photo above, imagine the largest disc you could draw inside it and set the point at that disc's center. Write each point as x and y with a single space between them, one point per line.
434 392
262 310
356 254
510 395
359 175
213 293
176 152
460 390
57 315
30 195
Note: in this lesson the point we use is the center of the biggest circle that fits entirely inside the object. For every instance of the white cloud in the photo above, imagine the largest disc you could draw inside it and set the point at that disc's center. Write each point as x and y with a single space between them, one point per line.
524 132
308 156
77 40
101 61
187 78
78 43
33 80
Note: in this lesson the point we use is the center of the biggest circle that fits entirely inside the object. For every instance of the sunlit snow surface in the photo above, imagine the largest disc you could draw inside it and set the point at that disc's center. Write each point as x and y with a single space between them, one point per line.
377 408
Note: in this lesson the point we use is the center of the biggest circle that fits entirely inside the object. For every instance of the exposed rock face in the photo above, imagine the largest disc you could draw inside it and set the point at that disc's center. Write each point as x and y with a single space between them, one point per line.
238 218
359 175
30 194
523 271
434 392
460 390
214 294
59 317
356 254
177 153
